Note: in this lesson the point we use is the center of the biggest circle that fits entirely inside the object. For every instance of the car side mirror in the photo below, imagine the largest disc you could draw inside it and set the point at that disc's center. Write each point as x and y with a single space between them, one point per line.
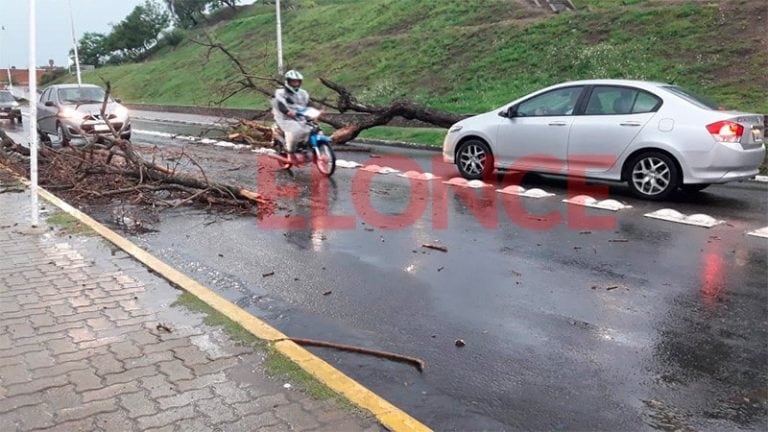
511 112
50 103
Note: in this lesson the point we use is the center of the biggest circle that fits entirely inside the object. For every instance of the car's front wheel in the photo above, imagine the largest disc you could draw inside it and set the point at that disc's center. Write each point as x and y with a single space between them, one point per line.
62 135
653 176
474 159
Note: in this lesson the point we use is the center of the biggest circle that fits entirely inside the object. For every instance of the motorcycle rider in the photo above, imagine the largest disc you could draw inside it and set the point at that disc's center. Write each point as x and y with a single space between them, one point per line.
288 100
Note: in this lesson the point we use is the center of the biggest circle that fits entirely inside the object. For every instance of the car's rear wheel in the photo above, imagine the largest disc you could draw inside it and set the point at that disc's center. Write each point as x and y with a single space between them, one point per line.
474 159
62 135
693 188
44 138
653 175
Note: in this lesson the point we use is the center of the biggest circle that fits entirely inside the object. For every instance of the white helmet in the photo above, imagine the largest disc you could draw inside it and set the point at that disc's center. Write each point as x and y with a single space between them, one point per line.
293 75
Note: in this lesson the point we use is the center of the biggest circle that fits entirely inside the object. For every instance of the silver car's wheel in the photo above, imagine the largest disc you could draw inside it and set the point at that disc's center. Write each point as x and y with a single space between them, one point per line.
653 176
474 159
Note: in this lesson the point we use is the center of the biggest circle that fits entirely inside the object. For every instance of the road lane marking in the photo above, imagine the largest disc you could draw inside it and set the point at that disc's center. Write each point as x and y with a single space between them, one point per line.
387 414
762 232
672 215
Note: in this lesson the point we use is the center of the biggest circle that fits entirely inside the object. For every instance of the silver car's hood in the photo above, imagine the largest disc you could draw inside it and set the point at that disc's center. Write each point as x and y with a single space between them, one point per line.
9 105
94 109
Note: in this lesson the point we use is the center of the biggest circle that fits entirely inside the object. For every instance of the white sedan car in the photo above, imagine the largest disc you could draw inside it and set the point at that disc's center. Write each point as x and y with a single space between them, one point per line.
656 137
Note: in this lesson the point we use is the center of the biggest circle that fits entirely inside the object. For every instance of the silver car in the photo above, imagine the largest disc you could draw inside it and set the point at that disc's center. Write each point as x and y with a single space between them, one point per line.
9 108
71 111
656 137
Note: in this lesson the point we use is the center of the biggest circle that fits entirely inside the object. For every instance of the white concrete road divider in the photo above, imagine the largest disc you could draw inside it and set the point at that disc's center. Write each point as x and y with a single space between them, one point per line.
588 201
761 178
521 191
762 232
341 163
419 176
194 139
672 215
379 169
462 182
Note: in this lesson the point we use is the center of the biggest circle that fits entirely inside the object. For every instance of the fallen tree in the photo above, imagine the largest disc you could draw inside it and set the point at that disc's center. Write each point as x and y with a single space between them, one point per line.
371 115
107 167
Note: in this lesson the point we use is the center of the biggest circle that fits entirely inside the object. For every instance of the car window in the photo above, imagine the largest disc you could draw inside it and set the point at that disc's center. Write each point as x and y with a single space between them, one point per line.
695 99
552 103
608 100
44 96
81 95
645 103
6 97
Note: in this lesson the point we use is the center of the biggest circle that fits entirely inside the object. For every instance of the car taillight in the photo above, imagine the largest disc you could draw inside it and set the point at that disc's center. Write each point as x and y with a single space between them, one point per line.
726 131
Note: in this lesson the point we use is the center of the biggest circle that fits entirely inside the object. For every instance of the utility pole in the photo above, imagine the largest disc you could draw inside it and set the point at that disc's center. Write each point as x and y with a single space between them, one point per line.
33 112
280 70
74 44
8 69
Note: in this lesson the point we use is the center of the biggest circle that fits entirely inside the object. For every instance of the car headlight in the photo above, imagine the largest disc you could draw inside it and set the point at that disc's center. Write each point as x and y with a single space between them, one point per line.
67 112
455 128
121 111
14 104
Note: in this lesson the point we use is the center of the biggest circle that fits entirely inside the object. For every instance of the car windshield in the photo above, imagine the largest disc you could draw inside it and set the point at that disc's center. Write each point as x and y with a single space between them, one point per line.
81 95
693 97
6 97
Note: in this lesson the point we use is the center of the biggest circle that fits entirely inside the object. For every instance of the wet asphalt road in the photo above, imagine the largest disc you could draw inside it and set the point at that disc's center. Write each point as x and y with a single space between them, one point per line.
565 329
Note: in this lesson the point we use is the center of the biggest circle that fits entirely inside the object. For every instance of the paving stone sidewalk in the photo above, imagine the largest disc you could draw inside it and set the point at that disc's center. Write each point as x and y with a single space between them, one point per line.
80 349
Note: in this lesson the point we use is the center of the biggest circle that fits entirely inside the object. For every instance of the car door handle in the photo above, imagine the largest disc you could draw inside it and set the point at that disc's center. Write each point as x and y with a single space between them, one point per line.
630 123
558 123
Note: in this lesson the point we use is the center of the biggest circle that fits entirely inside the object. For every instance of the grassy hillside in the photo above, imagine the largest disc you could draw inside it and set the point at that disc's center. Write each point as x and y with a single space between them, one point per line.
471 55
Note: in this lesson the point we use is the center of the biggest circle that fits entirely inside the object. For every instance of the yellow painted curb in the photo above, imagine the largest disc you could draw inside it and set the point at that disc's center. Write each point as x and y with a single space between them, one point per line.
387 414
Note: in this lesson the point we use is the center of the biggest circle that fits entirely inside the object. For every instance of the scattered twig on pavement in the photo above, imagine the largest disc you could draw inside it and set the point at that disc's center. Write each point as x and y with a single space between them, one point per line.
416 362
268 274
435 247
163 328
618 240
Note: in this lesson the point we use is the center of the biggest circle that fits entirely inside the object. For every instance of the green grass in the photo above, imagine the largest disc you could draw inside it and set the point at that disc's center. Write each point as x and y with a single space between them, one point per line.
67 224
276 364
456 56
429 136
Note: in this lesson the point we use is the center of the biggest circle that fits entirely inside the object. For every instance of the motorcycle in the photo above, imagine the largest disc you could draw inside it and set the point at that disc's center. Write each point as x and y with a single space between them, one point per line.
319 144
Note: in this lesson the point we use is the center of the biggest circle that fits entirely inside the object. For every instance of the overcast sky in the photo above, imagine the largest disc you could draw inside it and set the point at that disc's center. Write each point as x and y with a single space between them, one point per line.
54 37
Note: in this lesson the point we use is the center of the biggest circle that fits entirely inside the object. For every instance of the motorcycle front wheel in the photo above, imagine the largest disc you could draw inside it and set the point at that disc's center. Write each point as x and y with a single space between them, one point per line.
325 159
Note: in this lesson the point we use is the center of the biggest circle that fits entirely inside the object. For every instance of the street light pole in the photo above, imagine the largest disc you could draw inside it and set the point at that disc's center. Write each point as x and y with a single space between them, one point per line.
279 40
74 44
8 69
33 112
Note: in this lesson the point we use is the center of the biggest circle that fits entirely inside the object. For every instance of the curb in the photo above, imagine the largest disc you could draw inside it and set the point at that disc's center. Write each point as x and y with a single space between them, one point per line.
386 413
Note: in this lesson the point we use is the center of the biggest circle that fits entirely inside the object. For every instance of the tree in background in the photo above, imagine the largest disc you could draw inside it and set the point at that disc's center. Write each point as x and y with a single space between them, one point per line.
191 13
92 49
232 4
132 37
188 13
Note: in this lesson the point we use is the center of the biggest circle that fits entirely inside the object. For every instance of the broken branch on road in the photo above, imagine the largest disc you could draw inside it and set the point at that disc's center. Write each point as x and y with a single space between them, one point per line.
367 115
413 361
